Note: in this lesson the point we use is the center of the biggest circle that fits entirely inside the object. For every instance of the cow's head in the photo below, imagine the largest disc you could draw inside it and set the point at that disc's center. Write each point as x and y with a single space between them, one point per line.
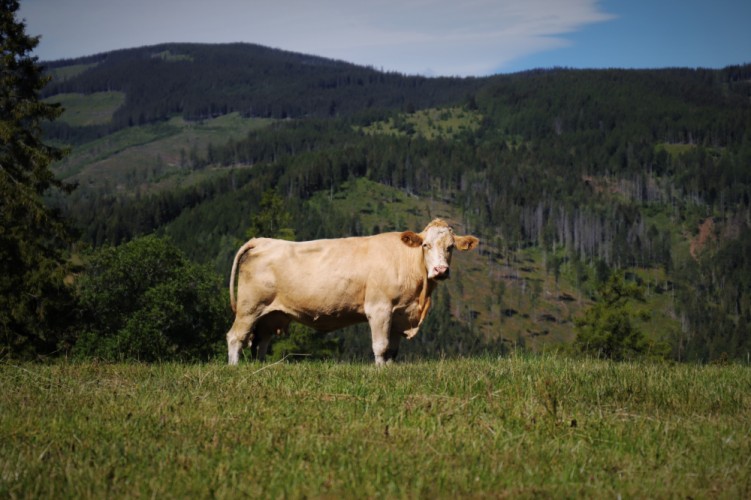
438 241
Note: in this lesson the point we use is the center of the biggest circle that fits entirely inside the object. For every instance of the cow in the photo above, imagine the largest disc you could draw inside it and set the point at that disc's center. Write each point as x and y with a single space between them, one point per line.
385 279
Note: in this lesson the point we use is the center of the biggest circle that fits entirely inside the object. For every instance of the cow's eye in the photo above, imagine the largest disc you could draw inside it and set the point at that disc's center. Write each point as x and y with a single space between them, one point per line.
427 246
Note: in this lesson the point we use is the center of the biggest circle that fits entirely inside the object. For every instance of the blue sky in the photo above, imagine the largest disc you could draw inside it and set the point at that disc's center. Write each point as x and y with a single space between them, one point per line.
656 34
430 37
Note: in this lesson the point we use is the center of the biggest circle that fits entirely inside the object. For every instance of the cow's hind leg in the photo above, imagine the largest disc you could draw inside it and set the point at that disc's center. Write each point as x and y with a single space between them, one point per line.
261 340
274 323
393 347
239 335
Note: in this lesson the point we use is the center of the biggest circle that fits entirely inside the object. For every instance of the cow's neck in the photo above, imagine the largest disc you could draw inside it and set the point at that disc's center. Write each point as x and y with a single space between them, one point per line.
423 305
428 286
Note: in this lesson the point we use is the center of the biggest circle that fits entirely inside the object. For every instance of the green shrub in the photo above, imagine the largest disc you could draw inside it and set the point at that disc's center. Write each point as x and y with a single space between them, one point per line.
145 300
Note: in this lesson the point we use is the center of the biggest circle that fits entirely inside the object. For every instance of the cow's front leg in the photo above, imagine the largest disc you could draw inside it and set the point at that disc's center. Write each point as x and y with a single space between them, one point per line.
379 319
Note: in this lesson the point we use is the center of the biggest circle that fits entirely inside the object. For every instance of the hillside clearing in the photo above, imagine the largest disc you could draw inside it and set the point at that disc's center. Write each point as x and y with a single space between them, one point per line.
512 426
151 157
433 123
91 109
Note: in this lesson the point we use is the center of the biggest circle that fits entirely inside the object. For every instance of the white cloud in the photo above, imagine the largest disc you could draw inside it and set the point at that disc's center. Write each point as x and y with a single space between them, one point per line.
441 37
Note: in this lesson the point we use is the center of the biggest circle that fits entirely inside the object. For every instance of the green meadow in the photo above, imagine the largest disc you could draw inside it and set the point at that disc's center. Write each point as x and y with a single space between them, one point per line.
518 426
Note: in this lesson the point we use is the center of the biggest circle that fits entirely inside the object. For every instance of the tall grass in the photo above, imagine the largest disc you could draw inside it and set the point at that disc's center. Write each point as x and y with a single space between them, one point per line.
517 426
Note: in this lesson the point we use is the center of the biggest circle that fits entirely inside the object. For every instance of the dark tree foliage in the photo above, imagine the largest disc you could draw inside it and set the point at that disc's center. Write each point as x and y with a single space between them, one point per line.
717 310
34 300
144 300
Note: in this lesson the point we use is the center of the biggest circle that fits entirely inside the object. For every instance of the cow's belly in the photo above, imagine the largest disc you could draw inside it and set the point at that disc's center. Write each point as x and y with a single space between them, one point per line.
330 321
403 319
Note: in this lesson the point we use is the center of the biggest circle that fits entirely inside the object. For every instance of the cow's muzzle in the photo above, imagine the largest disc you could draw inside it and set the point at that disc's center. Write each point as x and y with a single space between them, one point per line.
441 272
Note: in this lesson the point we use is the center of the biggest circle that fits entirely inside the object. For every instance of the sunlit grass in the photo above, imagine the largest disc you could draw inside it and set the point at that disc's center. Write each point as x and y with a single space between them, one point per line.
434 123
546 425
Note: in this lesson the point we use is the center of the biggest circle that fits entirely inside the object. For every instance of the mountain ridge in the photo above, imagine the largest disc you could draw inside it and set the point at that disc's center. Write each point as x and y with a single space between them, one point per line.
213 80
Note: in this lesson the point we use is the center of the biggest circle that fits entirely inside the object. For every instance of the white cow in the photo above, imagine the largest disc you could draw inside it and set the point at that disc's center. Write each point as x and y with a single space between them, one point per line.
386 280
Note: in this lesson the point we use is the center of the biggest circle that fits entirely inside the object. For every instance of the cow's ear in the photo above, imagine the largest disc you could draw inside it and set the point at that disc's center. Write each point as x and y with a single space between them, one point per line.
465 243
411 239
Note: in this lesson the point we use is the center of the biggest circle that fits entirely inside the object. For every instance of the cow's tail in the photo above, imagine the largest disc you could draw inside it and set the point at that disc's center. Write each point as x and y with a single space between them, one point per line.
247 246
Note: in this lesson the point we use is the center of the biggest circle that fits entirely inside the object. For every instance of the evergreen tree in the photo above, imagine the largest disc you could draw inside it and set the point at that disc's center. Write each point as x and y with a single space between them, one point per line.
33 297
610 329
272 220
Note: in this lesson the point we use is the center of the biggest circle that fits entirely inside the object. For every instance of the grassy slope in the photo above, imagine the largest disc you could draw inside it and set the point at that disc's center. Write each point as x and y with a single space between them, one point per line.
84 110
138 158
514 427
128 159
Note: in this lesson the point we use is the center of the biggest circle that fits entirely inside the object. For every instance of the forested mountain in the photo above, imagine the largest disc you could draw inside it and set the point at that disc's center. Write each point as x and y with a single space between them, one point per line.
565 175
205 81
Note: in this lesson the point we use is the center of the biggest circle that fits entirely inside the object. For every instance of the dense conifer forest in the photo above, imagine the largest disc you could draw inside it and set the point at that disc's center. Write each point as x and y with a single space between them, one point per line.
567 176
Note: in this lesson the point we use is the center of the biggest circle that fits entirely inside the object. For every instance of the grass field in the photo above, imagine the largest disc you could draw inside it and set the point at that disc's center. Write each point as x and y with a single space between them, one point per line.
509 427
